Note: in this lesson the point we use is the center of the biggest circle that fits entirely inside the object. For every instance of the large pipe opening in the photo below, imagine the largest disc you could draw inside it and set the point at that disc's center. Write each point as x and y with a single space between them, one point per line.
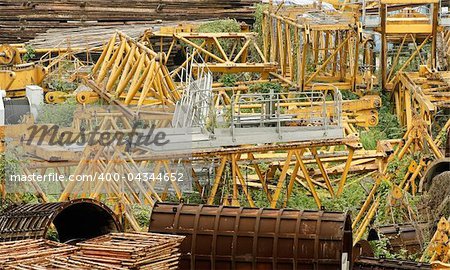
67 222
83 221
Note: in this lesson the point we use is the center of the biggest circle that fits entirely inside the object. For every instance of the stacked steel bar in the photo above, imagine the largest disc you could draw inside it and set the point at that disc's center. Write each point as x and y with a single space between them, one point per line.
20 20
30 252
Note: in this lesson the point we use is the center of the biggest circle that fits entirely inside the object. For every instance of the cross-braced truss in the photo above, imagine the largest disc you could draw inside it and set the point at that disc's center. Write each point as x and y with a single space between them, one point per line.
405 35
313 46
221 52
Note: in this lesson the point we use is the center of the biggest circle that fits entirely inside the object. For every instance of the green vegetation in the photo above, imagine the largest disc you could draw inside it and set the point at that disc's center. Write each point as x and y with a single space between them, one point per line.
267 87
380 249
29 54
142 214
348 95
58 114
220 26
228 80
258 25
62 85
61 81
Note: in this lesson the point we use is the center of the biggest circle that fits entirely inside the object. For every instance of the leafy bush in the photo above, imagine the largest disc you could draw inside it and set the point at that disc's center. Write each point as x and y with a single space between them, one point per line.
142 214
348 95
258 25
228 80
62 85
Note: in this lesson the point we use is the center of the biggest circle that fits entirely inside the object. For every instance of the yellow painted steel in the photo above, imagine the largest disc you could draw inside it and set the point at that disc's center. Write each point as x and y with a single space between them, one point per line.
406 26
423 93
132 74
310 50
16 78
222 52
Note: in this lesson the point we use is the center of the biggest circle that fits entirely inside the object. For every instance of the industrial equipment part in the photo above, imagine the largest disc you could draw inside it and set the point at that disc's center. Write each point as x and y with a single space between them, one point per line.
15 78
222 52
26 19
222 237
15 75
438 166
31 252
128 73
425 93
9 55
362 249
434 169
117 251
438 248
416 140
400 237
74 220
133 250
312 46
403 28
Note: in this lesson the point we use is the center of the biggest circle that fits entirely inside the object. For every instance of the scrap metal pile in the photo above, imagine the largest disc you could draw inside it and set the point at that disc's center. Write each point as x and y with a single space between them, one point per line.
287 113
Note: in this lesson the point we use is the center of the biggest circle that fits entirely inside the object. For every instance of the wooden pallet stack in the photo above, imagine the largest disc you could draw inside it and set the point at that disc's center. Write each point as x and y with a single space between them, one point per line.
20 20
17 254
117 251
132 251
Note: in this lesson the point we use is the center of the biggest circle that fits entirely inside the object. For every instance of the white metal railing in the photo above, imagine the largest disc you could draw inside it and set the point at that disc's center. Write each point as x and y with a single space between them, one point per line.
194 107
284 110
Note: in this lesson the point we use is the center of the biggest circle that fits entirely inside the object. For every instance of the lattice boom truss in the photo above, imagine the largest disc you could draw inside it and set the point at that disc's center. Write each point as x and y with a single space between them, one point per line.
313 46
221 52
134 74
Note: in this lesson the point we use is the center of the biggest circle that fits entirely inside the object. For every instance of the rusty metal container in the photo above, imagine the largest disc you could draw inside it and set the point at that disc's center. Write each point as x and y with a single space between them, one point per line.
400 236
74 220
223 237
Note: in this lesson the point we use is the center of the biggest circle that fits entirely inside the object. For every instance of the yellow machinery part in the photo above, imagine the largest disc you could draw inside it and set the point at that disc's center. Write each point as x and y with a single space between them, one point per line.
87 97
9 55
55 97
362 112
15 79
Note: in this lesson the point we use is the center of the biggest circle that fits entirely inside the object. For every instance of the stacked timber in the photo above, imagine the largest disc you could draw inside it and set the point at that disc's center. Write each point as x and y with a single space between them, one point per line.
31 252
21 20
97 36
84 37
118 251
132 251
